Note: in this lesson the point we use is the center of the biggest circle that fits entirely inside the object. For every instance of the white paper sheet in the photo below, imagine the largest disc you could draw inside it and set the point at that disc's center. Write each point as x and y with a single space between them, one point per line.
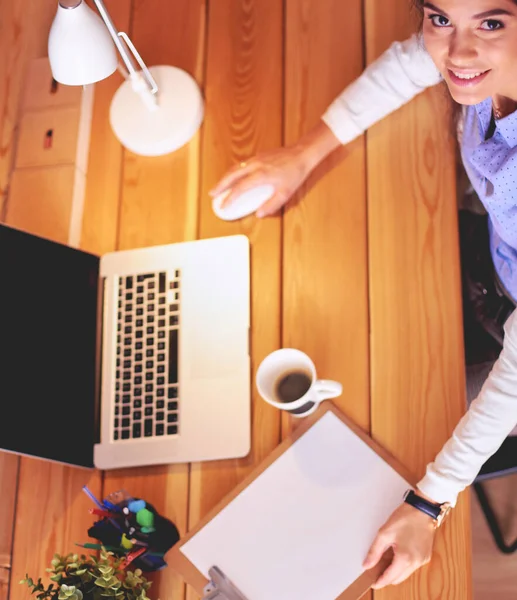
302 529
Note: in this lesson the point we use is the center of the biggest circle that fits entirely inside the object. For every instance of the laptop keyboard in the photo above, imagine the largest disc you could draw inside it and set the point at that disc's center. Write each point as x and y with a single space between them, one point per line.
146 382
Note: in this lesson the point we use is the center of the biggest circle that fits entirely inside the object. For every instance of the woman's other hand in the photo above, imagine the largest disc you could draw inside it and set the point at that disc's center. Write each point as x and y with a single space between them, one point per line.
410 533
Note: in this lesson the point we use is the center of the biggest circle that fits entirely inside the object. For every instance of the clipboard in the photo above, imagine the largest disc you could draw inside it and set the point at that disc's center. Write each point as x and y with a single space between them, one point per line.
216 581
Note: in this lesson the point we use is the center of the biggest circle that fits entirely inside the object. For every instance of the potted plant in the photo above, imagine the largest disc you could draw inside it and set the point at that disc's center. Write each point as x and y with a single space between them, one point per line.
78 577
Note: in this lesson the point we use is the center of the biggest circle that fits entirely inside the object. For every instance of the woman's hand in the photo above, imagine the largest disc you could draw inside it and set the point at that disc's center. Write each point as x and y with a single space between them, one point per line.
410 533
285 169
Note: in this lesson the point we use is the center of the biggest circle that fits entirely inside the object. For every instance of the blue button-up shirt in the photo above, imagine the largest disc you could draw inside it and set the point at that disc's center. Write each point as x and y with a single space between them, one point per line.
492 169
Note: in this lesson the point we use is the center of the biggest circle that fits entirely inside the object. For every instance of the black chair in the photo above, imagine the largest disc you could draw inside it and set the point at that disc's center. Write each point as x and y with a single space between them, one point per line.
502 463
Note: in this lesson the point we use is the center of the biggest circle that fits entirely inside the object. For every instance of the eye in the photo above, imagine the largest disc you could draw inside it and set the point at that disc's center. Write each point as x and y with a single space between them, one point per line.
439 20
492 25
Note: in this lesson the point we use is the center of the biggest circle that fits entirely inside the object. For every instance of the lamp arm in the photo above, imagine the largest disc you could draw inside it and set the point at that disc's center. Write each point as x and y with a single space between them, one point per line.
115 36
126 57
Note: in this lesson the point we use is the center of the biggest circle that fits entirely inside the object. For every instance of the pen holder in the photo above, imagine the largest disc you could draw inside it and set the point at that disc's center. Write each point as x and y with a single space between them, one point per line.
131 527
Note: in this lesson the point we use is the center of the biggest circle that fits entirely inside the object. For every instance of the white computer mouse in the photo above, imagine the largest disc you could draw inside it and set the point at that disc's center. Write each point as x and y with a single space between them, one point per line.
246 204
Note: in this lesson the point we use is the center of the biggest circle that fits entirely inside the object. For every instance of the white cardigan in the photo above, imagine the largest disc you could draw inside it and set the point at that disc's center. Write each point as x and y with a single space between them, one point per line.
402 72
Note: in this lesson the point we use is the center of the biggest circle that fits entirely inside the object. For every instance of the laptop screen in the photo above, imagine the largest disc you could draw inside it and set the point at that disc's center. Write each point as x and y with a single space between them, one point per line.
48 308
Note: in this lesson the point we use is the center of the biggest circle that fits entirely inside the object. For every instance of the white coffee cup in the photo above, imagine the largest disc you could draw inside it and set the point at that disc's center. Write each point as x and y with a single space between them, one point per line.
287 380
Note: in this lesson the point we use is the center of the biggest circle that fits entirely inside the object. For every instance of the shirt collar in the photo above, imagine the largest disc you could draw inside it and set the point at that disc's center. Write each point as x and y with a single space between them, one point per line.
507 126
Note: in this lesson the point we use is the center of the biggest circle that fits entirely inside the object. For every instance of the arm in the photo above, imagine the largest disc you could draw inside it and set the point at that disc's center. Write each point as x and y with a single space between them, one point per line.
397 76
489 420
403 71
479 434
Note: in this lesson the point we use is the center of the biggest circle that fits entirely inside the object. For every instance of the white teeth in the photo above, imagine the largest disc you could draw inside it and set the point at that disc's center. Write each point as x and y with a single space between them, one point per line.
471 76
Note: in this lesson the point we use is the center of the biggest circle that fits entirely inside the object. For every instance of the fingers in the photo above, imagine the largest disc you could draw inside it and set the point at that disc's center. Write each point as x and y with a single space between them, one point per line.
394 572
378 548
281 169
409 534
271 206
402 567
232 177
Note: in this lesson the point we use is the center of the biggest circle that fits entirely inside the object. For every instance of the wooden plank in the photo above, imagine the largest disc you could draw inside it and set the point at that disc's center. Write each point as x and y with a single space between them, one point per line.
244 117
104 180
34 126
52 512
325 293
51 516
9 465
52 186
6 163
53 521
415 304
160 194
23 36
4 583
159 205
325 310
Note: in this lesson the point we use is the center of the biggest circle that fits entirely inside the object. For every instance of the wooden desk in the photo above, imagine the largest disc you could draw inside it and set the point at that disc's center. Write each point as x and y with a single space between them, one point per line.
363 274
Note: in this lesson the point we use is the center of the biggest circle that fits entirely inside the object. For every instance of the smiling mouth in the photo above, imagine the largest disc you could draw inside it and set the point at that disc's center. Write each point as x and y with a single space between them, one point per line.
467 79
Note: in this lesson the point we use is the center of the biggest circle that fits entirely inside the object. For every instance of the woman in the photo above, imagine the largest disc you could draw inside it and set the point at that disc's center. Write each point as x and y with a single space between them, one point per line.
472 46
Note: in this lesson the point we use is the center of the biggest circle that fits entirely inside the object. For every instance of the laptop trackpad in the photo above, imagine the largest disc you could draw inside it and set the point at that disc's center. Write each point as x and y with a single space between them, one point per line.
217 351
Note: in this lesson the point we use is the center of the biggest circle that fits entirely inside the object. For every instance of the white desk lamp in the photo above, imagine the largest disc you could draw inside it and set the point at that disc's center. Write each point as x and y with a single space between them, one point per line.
155 111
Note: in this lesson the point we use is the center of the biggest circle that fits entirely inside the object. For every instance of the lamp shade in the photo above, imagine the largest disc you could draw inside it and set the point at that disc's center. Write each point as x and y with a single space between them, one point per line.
80 48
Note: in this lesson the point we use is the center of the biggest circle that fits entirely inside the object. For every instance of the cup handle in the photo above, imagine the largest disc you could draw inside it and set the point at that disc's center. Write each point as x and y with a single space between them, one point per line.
326 389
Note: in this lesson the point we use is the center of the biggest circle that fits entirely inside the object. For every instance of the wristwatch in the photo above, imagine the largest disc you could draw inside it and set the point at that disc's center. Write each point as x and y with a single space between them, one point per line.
437 512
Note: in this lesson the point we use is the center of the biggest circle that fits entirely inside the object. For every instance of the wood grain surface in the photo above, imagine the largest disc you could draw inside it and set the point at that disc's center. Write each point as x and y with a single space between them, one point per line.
417 373
361 271
24 31
9 465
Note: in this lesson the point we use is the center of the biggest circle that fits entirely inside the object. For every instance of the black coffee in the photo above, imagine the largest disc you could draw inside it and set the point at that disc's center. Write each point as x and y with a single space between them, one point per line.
292 386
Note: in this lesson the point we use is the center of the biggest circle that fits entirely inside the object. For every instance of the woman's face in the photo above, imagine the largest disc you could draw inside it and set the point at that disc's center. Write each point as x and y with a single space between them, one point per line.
474 45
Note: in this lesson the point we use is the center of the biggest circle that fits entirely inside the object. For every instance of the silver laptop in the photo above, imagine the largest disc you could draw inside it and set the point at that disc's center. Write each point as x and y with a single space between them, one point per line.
140 357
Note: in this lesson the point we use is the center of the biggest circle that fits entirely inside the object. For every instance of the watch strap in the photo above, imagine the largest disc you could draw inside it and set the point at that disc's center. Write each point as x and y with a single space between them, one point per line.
429 508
